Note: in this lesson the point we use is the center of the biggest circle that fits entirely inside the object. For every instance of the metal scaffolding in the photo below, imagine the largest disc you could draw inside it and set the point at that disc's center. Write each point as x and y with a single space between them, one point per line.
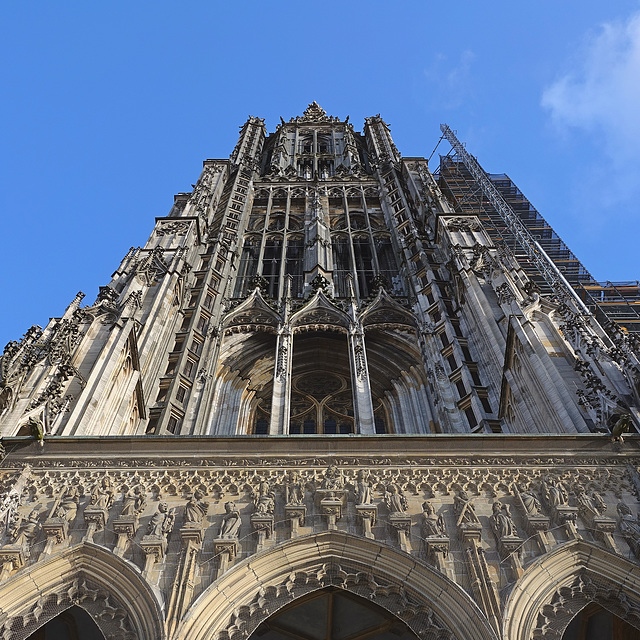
511 219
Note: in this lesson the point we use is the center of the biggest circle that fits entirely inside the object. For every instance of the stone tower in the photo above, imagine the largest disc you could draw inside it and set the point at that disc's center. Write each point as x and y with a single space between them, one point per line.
324 389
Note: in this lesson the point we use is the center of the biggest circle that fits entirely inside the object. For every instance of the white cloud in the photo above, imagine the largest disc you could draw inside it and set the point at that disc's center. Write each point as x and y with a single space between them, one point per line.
601 94
449 83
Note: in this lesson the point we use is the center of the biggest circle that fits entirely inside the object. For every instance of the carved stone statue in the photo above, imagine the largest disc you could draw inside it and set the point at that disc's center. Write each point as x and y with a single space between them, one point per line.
102 494
133 503
590 505
364 492
28 529
555 492
464 509
294 492
501 521
433 525
531 503
196 508
162 521
395 500
68 507
230 521
333 479
264 498
629 526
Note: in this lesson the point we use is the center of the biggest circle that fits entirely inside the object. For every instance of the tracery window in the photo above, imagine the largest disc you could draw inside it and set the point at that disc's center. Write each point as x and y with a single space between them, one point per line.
321 403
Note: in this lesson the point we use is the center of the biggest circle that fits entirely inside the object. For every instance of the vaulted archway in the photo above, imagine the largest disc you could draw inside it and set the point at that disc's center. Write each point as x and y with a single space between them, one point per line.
109 589
333 614
555 587
247 595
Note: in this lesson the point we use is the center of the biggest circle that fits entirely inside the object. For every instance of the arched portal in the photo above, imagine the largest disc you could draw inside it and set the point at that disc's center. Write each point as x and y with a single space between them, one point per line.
333 614
252 591
596 623
109 589
73 624
560 584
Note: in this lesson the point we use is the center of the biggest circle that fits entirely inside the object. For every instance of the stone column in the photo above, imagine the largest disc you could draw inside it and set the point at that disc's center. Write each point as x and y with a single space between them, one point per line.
367 514
281 395
296 514
363 403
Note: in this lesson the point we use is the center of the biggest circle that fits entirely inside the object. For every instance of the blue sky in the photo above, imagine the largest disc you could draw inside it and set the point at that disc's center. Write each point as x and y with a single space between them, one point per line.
108 109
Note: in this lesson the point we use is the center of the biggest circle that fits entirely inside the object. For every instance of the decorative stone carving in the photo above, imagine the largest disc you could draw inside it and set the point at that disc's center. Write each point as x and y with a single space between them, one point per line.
195 509
390 596
364 491
154 544
629 527
568 600
104 607
230 521
436 540
463 224
294 491
505 293
172 227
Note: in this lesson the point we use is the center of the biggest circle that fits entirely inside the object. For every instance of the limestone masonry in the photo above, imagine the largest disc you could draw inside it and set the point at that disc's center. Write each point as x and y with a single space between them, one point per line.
335 396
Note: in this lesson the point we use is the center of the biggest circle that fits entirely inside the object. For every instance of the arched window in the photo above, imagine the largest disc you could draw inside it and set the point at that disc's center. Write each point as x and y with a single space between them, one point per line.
271 265
248 266
364 264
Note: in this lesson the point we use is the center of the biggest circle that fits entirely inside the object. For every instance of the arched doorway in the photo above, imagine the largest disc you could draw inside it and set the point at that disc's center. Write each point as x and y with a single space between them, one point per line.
73 624
596 623
333 614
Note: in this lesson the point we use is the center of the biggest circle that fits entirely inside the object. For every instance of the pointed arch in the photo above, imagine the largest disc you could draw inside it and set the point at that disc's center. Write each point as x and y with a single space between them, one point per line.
320 313
232 607
252 314
559 584
109 588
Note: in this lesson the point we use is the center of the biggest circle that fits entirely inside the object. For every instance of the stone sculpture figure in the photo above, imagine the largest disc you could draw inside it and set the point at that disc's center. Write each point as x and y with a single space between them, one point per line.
590 505
333 479
629 527
531 503
102 494
196 508
433 524
230 521
555 492
502 522
162 521
395 499
294 493
68 507
28 529
464 509
133 503
364 492
264 498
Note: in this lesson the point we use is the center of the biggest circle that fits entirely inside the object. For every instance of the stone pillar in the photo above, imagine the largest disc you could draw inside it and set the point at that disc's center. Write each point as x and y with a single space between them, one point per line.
296 514
401 523
437 549
154 549
95 518
367 514
226 551
125 528
281 395
262 524
331 503
11 559
363 404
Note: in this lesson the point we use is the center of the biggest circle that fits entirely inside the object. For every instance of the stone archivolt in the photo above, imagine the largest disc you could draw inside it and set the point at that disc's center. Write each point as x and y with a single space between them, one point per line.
208 562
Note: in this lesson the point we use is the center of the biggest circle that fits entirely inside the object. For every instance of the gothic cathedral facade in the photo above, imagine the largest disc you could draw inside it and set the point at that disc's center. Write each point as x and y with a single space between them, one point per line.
329 398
